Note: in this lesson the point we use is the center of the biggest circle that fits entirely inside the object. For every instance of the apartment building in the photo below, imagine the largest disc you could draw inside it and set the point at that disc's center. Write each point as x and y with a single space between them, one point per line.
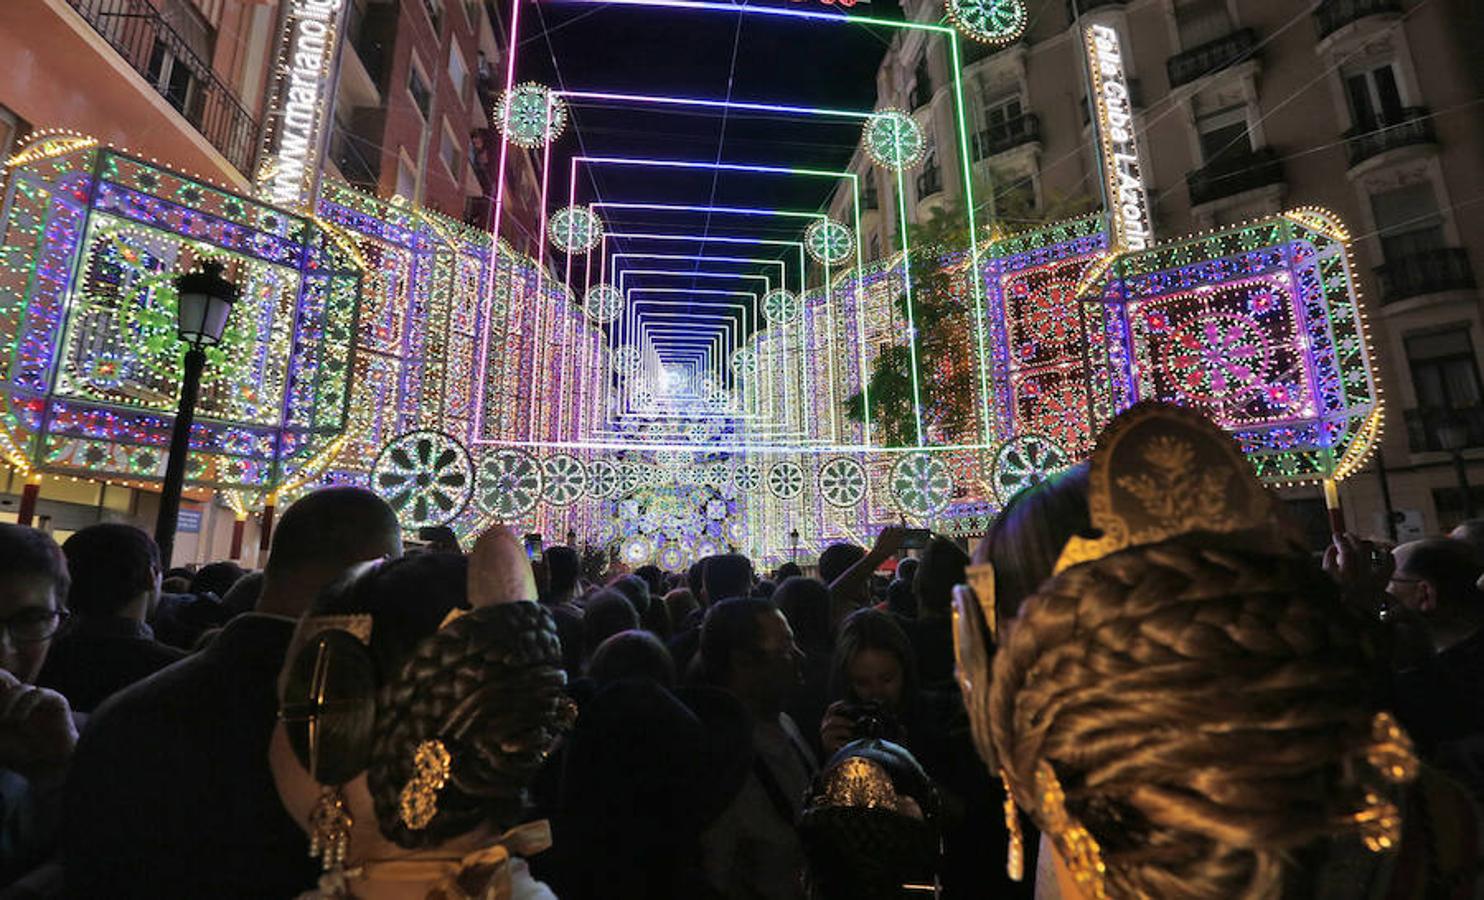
186 82
1371 108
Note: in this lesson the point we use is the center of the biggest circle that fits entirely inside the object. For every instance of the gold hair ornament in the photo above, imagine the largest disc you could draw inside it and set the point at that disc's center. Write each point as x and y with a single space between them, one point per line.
858 783
1176 473
1015 852
419 802
1079 849
329 828
1391 754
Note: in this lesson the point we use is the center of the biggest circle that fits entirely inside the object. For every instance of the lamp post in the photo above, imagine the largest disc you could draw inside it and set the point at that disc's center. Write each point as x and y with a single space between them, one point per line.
572 538
203 302
794 536
1453 436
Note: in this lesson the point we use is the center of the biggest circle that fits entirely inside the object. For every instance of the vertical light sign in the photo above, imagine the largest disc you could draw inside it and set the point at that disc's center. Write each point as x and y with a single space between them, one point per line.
298 113
1115 118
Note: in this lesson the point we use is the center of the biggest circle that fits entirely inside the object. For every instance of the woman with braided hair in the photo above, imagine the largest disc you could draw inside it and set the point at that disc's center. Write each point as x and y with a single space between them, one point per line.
420 699
1188 709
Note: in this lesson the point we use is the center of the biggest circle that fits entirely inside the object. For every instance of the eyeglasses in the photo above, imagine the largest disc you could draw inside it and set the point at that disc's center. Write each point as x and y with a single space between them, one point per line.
33 624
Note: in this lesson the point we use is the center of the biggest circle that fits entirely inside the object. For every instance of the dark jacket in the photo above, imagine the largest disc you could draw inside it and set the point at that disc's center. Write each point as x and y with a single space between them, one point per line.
170 794
98 656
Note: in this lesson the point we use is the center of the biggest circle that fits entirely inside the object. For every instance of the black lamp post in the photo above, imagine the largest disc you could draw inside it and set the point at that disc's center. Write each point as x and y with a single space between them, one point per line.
204 300
794 536
1453 436
571 538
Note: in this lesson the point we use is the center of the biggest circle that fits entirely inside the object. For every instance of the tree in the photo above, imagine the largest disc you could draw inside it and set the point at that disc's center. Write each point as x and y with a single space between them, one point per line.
942 314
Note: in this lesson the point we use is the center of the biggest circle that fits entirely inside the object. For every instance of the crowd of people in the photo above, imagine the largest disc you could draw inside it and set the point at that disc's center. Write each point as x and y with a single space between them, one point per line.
1139 685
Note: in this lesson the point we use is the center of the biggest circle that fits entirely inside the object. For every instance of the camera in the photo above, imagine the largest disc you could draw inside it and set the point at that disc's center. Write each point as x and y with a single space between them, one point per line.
872 719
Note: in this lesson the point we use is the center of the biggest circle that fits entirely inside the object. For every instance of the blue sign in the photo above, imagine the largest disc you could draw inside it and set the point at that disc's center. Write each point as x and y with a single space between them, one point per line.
189 521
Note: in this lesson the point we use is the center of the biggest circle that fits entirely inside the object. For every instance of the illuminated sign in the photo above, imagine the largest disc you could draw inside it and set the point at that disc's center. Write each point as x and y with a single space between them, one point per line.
300 110
1126 194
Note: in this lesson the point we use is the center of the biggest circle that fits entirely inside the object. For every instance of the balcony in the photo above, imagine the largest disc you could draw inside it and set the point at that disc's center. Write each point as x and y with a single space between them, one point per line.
1425 427
1023 129
1211 57
164 58
1425 272
1332 15
1086 6
1411 128
1234 175
922 95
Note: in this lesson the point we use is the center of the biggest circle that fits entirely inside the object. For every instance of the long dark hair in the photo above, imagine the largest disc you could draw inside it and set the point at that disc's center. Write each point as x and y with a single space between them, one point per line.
872 629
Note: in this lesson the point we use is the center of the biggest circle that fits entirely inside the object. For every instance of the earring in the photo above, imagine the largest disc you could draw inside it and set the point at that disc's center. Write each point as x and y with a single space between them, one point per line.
430 763
329 828
1015 852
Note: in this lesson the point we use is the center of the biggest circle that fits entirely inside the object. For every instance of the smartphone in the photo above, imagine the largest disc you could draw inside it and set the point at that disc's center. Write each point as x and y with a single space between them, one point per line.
916 538
533 547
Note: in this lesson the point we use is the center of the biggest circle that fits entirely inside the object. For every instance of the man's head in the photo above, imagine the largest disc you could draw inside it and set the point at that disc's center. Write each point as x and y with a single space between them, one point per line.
321 536
726 575
907 569
1471 532
563 568
216 578
607 613
633 587
115 571
748 648
837 558
1436 578
942 567
695 580
33 591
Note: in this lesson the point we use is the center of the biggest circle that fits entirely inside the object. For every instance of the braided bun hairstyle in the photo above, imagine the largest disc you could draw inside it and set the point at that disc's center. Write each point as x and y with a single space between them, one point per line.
1200 701
490 685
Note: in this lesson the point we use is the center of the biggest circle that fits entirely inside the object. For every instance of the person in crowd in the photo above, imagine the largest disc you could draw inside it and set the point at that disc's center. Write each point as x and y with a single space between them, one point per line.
900 601
870 827
243 596
632 654
1189 709
874 676
764 589
1471 532
181 618
107 646
418 701
679 604
37 727
564 586
177 580
216 578
1441 701
848 570
205 722
786 571
646 772
753 849
633 587
654 580
931 630
805 602
726 575
608 612
695 580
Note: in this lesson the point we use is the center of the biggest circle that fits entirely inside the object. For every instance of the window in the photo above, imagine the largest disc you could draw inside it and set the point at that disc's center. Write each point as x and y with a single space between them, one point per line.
1374 97
171 76
458 71
922 88
1408 221
435 14
1224 137
448 150
406 177
869 199
1444 372
1201 22
929 180
422 95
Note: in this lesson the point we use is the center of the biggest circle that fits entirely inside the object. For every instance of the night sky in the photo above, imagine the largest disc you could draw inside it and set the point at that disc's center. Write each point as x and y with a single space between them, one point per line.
713 55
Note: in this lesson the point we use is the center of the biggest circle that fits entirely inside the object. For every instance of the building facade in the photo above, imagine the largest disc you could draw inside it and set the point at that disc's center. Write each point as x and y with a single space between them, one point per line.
1244 108
186 82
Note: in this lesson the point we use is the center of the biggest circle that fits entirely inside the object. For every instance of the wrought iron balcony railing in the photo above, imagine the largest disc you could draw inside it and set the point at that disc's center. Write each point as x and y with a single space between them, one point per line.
1412 127
1023 129
1425 272
1211 57
141 35
1234 175
1332 15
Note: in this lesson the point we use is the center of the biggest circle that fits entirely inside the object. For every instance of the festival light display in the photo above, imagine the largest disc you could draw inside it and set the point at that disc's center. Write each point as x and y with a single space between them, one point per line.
994 22
378 343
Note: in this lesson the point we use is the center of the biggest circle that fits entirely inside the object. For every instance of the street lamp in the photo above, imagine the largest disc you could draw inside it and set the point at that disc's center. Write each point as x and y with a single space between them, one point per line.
794 536
203 301
1453 436
571 537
